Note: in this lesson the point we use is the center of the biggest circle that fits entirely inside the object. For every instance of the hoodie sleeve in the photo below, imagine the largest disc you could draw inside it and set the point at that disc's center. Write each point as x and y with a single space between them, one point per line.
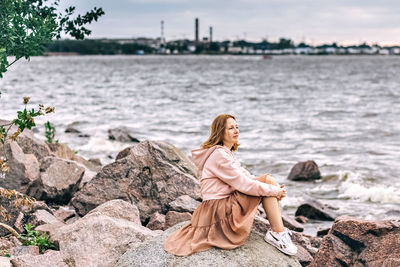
222 165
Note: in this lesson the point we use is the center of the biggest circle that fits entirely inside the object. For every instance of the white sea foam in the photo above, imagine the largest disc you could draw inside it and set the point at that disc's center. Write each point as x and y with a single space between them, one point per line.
97 144
291 201
354 186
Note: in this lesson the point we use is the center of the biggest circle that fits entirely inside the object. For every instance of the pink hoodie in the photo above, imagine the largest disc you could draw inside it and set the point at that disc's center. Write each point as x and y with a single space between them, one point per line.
221 174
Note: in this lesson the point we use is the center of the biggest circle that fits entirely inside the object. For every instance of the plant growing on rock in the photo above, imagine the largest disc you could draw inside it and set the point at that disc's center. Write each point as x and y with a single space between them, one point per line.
50 133
33 238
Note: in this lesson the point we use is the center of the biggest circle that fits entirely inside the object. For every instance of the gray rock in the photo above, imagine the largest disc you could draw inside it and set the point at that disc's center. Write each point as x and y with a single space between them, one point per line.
256 252
150 174
23 250
71 128
292 224
64 213
59 181
184 204
51 258
121 134
23 168
157 222
174 217
117 208
96 162
305 171
32 145
42 217
314 209
98 239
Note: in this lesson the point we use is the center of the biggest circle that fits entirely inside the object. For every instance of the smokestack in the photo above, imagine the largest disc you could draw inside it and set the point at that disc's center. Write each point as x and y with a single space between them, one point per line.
210 34
162 32
197 30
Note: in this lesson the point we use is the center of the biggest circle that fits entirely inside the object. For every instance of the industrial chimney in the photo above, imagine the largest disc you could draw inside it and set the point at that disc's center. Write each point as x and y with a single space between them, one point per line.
197 30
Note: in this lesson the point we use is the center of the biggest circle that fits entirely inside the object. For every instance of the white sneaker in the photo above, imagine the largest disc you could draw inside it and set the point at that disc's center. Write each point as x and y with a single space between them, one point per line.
281 241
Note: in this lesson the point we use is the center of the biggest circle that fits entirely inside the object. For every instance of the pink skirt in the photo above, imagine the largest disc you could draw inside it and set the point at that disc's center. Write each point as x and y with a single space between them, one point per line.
224 223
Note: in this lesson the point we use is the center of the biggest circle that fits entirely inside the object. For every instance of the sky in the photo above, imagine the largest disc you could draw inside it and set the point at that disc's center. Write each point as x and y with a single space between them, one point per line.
311 21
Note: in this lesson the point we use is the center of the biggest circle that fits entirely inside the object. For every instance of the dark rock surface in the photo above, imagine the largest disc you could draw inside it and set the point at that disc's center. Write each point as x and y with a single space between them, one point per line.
314 209
292 224
305 171
354 242
121 134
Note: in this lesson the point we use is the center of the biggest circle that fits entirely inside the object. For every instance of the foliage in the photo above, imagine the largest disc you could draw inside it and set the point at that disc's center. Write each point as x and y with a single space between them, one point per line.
97 47
27 26
50 133
25 120
33 238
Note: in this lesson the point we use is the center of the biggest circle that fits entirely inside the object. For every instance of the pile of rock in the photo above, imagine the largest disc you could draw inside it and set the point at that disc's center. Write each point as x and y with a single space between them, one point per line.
120 214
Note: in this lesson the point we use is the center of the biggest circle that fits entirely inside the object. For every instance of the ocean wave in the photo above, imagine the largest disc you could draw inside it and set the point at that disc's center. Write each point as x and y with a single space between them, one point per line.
355 186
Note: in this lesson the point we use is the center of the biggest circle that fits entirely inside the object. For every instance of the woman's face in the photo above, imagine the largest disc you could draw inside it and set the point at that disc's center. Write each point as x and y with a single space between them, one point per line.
231 134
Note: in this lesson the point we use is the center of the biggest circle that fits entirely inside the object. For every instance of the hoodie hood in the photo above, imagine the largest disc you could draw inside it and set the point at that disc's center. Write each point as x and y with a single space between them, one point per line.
200 155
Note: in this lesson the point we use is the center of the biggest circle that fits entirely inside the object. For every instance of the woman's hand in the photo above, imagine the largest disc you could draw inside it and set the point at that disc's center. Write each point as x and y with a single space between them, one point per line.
281 192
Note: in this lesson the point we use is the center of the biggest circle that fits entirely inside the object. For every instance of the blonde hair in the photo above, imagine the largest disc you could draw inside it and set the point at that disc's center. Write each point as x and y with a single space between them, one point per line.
217 131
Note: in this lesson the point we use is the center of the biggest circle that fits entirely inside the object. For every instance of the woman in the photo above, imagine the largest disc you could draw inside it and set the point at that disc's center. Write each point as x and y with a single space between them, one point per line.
231 196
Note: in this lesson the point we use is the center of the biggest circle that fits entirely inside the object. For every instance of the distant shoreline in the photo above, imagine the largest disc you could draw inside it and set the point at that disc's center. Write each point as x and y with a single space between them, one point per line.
66 54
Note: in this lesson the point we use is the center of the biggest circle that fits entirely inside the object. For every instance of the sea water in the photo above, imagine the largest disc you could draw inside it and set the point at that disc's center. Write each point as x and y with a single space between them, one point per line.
340 111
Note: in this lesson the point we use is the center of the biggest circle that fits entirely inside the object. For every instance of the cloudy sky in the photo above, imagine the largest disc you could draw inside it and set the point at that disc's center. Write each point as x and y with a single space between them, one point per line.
312 21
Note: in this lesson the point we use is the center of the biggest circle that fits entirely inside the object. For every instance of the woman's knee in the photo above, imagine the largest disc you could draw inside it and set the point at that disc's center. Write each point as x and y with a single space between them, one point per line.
269 179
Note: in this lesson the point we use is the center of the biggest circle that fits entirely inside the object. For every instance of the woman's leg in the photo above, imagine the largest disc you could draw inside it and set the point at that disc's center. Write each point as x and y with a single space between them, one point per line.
273 211
272 207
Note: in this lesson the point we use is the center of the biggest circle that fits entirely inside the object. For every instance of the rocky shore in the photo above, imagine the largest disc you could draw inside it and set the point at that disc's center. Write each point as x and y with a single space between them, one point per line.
120 214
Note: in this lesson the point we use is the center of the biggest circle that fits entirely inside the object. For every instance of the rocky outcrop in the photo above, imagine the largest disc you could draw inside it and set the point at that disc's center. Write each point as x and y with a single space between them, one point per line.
121 134
150 174
314 209
256 252
305 171
58 182
102 236
28 159
353 242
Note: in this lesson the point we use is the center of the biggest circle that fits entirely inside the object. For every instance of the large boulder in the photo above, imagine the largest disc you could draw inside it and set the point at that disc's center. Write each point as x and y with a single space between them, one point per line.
102 236
353 242
24 168
58 182
256 252
150 174
305 171
314 209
